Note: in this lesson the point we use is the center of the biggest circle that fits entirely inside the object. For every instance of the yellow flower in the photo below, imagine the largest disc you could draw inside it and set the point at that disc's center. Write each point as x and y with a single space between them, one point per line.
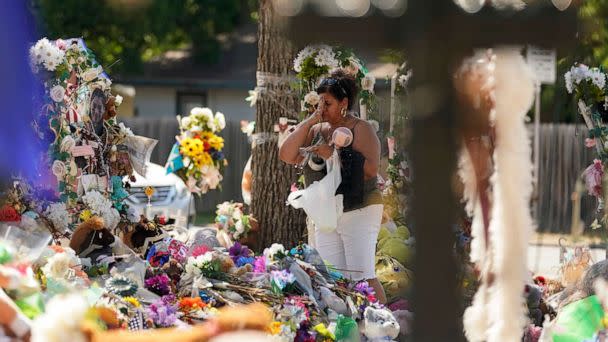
275 328
85 215
216 142
191 147
206 159
132 300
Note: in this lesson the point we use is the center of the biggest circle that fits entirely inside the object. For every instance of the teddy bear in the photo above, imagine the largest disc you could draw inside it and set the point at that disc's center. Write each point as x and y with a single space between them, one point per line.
380 325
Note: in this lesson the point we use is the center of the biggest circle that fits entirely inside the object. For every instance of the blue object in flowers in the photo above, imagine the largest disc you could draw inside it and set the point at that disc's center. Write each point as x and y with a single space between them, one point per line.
118 192
175 160
218 155
222 219
242 261
206 298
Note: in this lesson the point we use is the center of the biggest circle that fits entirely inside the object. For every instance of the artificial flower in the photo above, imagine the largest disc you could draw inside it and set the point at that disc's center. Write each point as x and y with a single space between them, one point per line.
132 300
118 100
163 312
9 214
368 82
312 98
59 169
67 143
593 178
159 284
57 93
58 215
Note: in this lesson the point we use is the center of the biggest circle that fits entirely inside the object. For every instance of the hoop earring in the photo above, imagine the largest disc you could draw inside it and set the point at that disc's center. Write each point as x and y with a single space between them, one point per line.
343 112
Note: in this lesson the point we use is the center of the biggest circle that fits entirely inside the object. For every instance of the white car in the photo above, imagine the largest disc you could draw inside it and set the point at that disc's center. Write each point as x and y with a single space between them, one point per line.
171 198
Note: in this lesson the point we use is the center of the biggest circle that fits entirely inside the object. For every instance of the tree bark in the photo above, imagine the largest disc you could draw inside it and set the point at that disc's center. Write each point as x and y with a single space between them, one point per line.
271 177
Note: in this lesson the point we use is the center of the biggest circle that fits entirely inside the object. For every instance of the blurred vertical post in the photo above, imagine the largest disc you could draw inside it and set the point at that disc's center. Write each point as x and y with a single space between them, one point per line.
18 148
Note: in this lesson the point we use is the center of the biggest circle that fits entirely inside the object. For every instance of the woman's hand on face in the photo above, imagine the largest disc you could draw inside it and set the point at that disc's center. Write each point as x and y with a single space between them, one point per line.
318 113
323 150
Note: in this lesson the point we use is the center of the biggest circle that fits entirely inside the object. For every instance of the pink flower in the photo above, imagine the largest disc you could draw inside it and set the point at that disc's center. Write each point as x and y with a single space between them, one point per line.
593 178
294 187
200 250
590 142
259 265
60 43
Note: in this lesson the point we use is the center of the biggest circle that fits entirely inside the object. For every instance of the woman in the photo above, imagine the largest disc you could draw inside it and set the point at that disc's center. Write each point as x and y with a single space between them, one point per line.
352 245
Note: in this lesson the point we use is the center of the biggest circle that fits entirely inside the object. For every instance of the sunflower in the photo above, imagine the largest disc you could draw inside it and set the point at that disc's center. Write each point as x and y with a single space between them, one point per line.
191 148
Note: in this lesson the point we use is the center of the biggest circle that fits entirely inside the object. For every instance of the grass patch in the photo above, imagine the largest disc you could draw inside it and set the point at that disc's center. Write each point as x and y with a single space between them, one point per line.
204 218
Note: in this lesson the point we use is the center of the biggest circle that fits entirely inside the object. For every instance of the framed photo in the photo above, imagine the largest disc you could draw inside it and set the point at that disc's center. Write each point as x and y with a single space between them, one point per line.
97 109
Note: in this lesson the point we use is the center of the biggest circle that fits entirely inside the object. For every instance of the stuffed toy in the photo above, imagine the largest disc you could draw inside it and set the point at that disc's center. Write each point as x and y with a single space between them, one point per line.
380 325
92 239
394 277
533 300
395 245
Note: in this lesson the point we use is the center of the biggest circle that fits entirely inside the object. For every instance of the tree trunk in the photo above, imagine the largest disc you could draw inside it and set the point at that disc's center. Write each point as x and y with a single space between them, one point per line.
271 177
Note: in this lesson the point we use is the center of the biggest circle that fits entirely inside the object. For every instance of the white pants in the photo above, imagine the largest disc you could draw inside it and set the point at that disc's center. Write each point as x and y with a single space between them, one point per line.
351 248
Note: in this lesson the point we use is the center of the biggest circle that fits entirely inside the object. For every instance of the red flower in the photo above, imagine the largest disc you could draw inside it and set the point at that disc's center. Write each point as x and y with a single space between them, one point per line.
9 214
162 220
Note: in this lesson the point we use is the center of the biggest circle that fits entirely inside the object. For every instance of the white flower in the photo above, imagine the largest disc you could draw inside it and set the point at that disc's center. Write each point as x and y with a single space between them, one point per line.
57 93
598 78
239 226
58 215
247 127
125 131
91 74
47 54
404 79
326 57
253 97
212 178
199 113
118 100
367 83
59 169
186 122
224 208
275 248
220 121
312 98
237 214
58 266
302 55
67 143
194 265
57 326
98 204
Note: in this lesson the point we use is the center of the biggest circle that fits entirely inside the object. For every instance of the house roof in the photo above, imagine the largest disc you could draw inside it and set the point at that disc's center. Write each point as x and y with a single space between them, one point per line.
235 69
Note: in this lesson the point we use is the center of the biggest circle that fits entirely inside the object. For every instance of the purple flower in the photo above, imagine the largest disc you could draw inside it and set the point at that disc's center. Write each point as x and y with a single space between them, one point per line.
159 284
364 289
593 178
163 312
237 251
282 278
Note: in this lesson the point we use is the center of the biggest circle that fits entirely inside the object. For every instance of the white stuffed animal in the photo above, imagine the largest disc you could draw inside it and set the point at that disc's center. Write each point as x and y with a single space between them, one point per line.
380 325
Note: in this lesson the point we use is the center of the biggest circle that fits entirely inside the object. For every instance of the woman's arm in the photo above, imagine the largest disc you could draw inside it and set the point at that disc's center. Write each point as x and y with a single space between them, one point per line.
368 144
301 136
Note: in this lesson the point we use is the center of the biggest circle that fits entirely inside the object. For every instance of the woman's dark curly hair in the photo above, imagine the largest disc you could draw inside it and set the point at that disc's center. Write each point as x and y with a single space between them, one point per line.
340 85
